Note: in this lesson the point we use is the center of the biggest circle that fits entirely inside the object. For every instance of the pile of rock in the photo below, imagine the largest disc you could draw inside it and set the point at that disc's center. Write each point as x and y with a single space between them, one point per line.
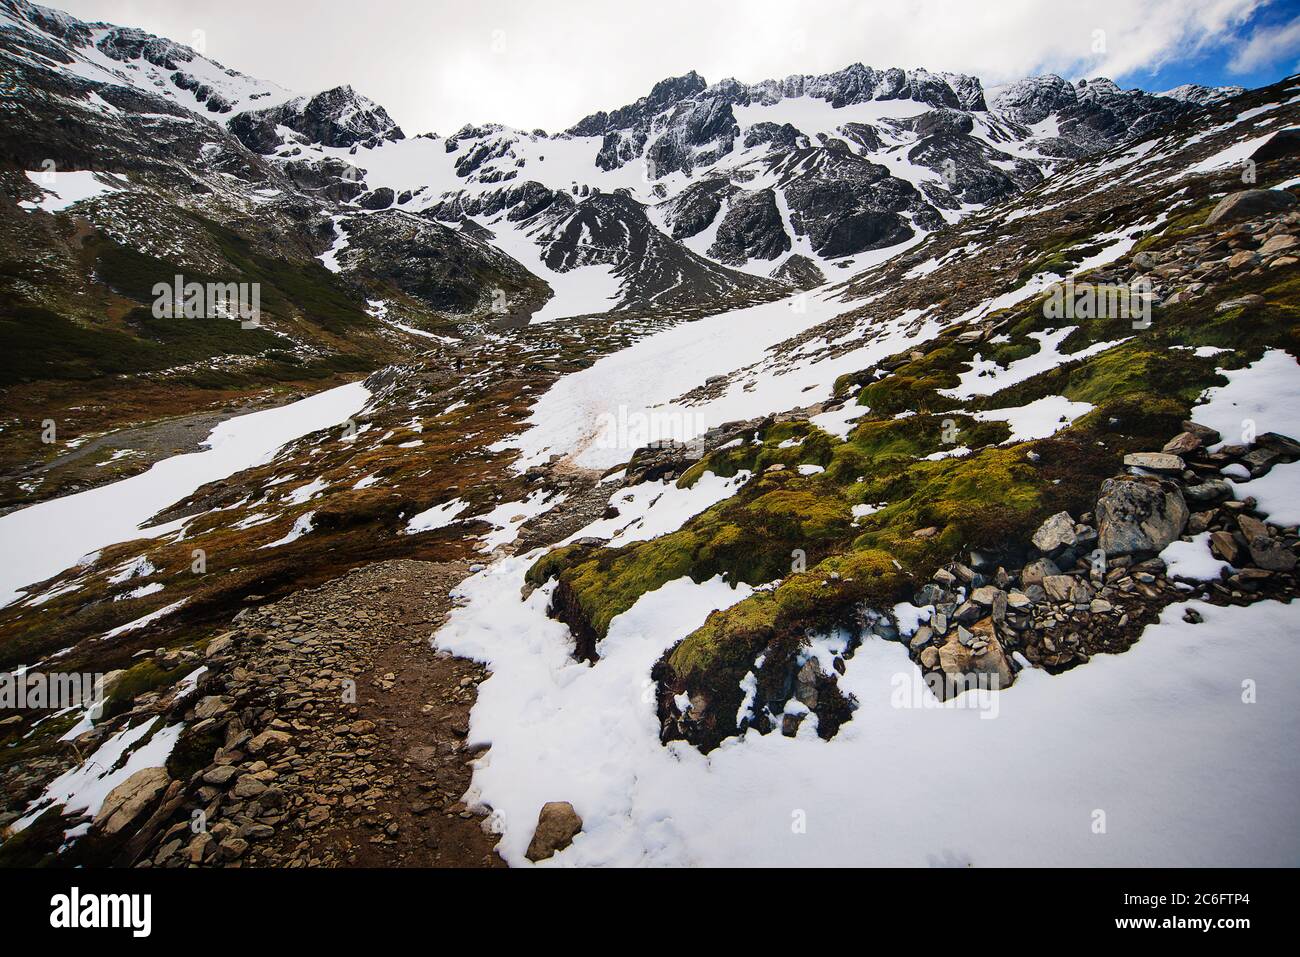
1260 231
1093 584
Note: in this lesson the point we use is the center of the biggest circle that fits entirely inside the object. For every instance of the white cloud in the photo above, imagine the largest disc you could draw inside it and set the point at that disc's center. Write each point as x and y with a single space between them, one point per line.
437 64
1266 46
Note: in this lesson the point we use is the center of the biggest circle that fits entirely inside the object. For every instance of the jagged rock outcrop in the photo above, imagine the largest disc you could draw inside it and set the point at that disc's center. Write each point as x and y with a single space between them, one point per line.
751 229
800 272
338 117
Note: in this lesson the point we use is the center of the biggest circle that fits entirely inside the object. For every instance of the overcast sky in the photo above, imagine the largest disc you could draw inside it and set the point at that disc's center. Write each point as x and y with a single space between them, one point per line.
435 65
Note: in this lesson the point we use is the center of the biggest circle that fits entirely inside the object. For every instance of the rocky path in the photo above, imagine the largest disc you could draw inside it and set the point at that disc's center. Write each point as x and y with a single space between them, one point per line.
343 731
326 730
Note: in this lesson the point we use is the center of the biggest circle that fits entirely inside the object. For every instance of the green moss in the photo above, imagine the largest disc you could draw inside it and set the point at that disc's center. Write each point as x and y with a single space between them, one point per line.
908 392
804 444
140 678
553 562
1133 368
719 652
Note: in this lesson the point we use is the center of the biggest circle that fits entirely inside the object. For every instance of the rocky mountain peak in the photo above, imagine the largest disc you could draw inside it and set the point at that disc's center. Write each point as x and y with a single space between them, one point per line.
340 117
129 43
1203 95
675 88
1034 98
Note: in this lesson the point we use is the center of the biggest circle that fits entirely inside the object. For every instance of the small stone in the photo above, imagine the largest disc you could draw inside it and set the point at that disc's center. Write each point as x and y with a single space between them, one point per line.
269 742
248 787
1225 548
1277 244
945 578
1058 587
1207 435
1019 601
557 824
211 706
220 775
1036 571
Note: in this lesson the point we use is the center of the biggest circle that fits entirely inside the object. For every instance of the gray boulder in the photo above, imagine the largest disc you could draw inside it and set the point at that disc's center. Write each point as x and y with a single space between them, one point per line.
1036 571
1155 462
1055 533
1250 204
1139 514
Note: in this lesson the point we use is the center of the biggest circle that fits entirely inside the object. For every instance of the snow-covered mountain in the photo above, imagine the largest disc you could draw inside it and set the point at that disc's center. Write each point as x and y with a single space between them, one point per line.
647 579
694 191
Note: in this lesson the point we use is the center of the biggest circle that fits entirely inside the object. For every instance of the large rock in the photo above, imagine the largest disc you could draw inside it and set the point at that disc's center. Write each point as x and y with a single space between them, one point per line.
131 800
1265 551
269 742
1277 244
1250 204
380 198
557 824
1155 462
1055 533
1248 301
1183 443
1036 571
1059 587
211 706
1138 514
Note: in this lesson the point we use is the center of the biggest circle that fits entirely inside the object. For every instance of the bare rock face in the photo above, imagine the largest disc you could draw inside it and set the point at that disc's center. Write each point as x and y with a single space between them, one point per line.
131 800
557 824
751 229
1248 204
1139 515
